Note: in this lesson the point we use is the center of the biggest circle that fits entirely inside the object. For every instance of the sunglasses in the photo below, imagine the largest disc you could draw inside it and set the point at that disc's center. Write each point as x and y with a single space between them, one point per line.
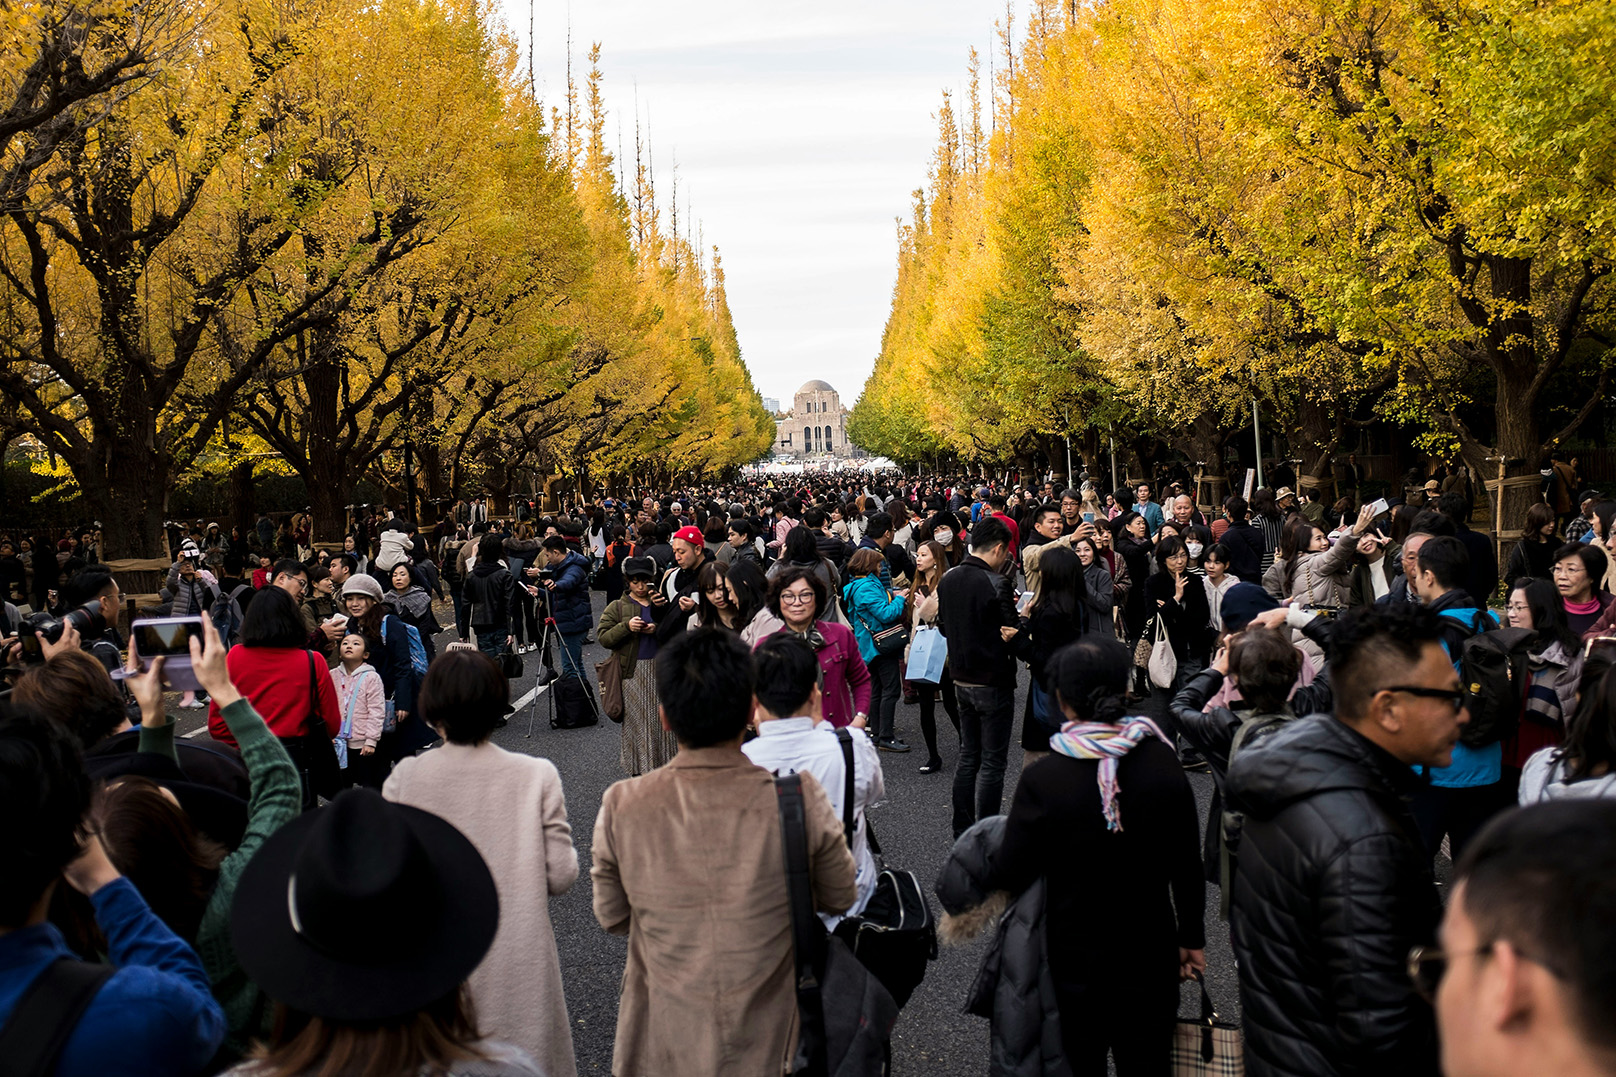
1454 696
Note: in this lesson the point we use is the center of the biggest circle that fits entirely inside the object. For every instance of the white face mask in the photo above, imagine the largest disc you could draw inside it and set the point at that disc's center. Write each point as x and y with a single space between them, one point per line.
944 536
1194 548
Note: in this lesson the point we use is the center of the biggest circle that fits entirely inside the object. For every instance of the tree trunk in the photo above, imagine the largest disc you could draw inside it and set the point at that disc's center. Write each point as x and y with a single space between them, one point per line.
1202 441
1315 436
126 488
241 495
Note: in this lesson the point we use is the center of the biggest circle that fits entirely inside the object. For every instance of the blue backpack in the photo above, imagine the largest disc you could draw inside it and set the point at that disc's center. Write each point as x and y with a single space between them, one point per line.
417 648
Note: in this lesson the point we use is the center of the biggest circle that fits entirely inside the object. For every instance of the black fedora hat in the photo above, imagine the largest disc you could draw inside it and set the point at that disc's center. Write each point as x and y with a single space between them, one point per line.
364 910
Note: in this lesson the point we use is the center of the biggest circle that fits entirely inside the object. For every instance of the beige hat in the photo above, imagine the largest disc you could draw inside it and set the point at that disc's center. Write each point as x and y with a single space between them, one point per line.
1432 486
359 584
1283 492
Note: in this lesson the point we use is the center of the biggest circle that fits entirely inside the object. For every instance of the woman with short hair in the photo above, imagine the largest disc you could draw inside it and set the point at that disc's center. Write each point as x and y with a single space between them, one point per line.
511 807
798 597
1579 573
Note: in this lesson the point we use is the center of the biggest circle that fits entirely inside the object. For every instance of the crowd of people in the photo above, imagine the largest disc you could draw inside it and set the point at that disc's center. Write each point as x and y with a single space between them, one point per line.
349 876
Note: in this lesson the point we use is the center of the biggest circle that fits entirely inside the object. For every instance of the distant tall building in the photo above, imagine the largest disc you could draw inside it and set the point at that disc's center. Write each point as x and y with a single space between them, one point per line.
771 404
816 426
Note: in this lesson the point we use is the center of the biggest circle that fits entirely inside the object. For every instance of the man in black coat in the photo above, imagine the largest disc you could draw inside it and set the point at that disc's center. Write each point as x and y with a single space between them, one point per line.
976 612
1333 885
1481 580
1243 541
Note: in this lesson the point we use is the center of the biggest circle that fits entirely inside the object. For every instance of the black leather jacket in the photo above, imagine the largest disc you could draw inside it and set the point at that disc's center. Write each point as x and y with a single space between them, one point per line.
1332 889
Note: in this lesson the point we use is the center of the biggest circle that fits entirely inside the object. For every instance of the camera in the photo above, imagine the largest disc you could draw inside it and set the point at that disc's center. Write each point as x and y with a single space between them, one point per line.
546 573
43 628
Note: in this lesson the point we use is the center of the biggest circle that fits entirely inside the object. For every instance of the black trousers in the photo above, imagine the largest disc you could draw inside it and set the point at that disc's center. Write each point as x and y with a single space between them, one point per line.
885 689
1457 813
1132 1024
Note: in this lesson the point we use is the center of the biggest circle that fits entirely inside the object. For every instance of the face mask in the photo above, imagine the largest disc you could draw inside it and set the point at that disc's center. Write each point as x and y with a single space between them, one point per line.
945 536
1194 548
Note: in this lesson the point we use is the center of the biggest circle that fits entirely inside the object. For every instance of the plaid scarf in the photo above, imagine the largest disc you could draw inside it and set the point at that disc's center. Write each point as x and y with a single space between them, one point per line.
1107 743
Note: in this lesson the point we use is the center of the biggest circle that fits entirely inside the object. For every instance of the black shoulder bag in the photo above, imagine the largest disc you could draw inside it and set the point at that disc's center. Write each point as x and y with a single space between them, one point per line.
39 1028
846 1016
896 934
313 751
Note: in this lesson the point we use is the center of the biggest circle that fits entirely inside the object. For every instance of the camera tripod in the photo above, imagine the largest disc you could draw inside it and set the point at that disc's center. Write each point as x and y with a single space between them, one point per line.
547 672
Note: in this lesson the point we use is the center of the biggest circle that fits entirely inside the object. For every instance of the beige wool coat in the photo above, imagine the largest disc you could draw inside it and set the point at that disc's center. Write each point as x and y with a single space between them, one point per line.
688 864
512 809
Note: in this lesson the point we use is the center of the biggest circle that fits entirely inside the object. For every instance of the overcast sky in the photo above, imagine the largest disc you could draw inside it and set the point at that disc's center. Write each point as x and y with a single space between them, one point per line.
799 131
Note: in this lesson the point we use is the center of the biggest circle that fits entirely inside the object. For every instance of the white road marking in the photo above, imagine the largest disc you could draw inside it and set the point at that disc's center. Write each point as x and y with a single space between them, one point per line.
533 693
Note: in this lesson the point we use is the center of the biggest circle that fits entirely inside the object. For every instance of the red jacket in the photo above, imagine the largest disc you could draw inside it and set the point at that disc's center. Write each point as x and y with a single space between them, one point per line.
276 680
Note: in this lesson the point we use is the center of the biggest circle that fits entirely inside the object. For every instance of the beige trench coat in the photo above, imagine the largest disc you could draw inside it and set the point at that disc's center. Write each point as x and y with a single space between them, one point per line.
688 865
511 807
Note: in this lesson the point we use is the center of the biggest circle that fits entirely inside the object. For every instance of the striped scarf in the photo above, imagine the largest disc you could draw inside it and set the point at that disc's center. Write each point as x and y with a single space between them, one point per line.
1107 743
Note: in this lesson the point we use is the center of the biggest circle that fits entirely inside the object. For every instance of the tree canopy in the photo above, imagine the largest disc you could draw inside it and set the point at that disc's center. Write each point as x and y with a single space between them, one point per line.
347 232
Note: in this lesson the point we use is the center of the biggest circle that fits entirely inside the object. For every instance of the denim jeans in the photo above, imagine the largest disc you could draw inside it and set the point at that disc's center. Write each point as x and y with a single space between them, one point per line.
986 718
885 688
572 655
491 641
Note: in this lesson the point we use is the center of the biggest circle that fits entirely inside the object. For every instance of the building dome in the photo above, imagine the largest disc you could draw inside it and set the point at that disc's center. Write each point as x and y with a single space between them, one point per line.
816 386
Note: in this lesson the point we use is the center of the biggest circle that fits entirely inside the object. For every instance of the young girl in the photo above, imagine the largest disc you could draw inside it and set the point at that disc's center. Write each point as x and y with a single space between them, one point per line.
359 695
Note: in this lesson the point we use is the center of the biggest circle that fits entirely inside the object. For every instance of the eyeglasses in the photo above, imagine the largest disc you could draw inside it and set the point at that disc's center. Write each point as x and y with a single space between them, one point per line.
793 598
1454 696
1428 964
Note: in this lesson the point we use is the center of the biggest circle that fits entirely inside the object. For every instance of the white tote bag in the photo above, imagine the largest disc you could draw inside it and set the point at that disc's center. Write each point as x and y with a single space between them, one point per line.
1163 665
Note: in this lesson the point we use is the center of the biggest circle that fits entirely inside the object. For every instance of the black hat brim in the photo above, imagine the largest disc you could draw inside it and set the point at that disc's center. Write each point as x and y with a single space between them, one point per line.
426 963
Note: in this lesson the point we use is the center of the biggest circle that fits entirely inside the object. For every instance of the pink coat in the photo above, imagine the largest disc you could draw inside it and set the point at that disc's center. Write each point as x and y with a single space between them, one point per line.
368 706
846 677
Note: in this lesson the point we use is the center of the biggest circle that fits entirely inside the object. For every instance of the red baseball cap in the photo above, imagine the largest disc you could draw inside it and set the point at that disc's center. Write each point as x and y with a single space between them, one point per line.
691 535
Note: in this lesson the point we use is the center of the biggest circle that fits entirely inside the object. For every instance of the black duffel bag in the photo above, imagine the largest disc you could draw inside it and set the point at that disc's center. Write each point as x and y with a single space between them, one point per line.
896 934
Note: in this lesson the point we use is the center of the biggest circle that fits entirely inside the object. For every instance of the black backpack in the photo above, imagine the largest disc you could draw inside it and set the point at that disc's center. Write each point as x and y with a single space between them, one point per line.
1494 677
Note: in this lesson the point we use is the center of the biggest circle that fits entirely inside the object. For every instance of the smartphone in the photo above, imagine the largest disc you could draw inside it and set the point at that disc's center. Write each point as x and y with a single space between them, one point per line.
1379 506
168 638
337 619
1088 517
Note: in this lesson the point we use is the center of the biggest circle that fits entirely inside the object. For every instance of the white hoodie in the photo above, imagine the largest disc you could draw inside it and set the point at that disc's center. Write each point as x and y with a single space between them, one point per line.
1543 778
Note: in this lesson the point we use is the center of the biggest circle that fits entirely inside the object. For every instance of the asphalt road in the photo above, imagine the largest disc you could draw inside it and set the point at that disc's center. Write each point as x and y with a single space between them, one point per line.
933 1036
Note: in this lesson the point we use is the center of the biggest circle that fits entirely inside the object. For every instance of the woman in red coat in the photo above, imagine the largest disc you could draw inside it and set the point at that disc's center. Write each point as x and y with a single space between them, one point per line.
798 597
285 682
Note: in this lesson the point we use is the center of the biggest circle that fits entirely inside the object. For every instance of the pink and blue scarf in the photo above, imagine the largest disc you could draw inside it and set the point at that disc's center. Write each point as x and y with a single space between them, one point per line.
1108 743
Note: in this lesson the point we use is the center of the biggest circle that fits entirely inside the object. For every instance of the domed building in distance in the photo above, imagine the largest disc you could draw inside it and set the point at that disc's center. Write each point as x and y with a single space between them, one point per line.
816 425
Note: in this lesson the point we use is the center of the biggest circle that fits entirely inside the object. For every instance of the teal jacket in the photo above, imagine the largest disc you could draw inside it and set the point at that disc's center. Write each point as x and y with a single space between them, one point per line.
870 609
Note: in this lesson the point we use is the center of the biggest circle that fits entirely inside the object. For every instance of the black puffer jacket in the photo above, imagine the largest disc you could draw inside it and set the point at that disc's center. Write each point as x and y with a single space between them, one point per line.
1332 889
1014 988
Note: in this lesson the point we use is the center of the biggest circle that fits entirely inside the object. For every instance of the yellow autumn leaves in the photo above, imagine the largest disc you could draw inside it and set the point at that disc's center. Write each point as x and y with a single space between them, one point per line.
322 229
1351 210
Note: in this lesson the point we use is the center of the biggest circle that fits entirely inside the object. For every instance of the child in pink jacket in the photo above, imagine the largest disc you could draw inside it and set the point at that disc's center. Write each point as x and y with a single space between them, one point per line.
364 712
